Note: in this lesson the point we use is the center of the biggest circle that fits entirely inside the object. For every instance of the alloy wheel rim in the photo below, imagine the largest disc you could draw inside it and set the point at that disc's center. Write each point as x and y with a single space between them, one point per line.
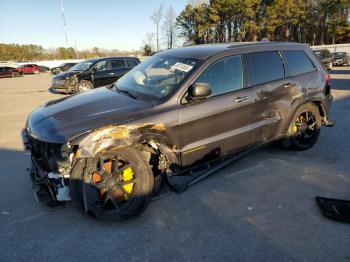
305 128
115 180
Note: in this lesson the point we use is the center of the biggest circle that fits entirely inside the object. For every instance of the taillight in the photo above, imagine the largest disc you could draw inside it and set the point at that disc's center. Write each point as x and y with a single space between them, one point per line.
327 88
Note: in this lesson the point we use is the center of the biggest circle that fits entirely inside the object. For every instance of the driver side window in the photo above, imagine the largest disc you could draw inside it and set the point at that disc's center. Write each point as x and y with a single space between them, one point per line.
224 75
100 66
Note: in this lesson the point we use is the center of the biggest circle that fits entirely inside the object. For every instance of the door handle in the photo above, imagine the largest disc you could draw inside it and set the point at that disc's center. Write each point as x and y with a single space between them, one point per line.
240 99
111 73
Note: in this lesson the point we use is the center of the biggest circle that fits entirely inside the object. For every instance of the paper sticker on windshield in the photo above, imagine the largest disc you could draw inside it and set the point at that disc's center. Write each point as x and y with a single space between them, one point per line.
182 67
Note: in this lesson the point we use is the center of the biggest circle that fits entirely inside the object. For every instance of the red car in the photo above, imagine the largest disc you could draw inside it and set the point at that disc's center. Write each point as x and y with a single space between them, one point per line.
29 69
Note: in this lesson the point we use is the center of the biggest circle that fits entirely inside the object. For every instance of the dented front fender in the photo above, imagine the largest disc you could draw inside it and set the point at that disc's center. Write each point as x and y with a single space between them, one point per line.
114 136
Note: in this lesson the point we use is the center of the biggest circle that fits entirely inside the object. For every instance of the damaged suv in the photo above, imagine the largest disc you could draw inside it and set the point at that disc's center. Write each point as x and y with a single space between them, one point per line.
176 118
93 73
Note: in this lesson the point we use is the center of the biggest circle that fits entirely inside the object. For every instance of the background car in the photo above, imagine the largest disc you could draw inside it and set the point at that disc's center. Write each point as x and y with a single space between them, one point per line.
62 68
6 71
29 69
44 69
326 57
341 58
93 73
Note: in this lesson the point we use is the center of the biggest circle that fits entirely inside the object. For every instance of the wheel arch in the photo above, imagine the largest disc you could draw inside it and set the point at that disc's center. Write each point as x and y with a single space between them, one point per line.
296 107
111 137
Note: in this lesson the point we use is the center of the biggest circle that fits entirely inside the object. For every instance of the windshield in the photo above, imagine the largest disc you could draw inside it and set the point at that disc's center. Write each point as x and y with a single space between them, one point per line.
340 54
82 66
157 77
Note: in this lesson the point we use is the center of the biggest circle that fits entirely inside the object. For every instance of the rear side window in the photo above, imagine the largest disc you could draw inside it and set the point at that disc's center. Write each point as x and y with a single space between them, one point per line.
132 63
265 67
298 62
117 64
224 75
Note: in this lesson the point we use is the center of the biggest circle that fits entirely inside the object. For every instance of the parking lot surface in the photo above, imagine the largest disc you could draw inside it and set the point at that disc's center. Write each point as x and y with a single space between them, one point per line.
260 208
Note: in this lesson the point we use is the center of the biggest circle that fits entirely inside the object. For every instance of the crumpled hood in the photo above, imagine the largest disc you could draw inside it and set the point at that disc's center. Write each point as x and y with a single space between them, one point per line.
65 75
60 120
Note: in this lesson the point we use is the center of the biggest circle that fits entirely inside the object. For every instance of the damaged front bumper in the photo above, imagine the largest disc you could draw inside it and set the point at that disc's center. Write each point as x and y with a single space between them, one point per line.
49 171
68 85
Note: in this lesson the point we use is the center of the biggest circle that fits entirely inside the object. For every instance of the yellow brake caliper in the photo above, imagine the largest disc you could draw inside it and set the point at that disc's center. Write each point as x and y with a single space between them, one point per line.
295 129
127 175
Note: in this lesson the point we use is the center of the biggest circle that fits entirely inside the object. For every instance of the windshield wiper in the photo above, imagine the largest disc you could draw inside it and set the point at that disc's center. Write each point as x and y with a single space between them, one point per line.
126 92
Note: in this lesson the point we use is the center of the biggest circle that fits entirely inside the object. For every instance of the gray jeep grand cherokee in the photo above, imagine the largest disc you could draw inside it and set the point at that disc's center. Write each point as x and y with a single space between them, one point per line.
176 118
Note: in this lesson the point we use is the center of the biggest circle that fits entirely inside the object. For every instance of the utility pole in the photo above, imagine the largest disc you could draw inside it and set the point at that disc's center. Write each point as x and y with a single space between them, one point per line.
64 23
76 50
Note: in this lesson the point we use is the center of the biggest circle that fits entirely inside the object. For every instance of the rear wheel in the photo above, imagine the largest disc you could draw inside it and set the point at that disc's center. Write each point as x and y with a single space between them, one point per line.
116 185
304 129
84 86
15 74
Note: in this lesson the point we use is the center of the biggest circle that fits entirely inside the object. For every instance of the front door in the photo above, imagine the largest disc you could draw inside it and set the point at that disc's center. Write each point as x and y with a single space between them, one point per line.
221 123
100 74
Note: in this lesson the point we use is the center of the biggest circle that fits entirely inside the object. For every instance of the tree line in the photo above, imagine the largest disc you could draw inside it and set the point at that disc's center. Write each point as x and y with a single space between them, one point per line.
316 22
16 52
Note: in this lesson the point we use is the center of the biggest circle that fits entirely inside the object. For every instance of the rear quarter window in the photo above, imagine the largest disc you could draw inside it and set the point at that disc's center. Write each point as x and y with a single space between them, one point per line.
116 64
298 62
132 62
265 67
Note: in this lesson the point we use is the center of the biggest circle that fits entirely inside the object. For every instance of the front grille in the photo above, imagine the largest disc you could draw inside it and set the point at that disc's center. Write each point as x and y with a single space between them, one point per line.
46 154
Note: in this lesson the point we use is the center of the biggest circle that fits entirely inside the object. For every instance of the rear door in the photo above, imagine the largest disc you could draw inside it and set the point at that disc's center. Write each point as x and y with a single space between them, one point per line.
118 69
221 123
301 68
273 93
8 71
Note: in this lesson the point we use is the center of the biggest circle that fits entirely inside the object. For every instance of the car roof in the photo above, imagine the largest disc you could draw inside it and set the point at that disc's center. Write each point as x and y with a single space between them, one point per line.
94 60
207 50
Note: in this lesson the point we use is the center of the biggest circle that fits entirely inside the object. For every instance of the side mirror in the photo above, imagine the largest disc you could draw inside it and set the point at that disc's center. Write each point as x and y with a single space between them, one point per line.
199 91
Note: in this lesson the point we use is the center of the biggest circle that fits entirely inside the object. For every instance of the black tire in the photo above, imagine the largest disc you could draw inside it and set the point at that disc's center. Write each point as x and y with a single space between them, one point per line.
95 198
300 135
15 74
84 86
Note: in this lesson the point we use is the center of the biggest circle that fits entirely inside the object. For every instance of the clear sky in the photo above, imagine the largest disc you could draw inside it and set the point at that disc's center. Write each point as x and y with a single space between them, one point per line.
118 24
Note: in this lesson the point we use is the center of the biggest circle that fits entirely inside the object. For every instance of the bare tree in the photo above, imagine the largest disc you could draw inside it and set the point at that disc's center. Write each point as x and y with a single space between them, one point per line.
147 44
169 27
149 39
156 17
